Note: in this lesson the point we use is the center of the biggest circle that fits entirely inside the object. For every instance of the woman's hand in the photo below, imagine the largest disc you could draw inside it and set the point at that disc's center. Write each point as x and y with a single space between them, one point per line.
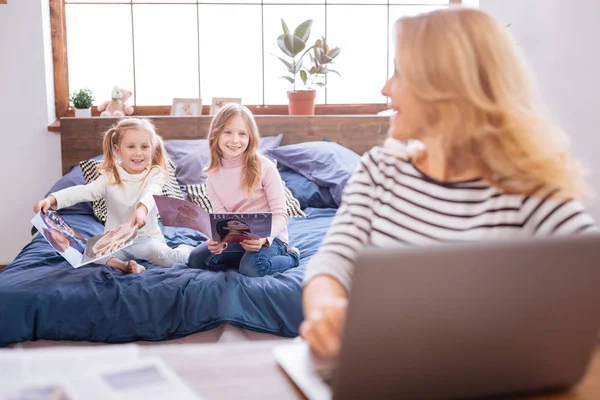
215 247
44 204
325 308
253 245
139 216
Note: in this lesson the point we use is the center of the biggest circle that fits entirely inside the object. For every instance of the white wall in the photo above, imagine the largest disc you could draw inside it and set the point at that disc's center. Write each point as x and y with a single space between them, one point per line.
560 38
30 160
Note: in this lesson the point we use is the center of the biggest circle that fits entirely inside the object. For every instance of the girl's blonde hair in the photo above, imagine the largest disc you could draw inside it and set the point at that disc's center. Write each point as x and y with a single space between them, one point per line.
114 136
477 89
251 167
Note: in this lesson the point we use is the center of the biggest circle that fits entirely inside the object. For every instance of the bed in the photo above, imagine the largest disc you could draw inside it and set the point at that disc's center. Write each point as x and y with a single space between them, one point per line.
43 298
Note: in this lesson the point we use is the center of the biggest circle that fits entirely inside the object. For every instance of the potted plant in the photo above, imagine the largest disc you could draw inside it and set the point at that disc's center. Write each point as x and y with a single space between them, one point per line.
82 101
302 96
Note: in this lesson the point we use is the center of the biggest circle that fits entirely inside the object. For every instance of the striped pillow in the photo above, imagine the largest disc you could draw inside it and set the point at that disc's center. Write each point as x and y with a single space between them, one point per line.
91 173
199 195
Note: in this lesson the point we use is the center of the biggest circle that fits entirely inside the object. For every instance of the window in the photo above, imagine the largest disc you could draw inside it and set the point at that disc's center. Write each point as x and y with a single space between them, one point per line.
162 49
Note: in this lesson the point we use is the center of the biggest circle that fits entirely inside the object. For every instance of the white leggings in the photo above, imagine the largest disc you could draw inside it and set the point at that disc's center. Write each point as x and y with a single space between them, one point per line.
153 250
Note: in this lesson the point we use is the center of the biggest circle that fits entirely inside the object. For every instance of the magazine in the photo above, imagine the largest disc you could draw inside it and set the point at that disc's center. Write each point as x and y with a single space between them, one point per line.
222 227
88 373
76 249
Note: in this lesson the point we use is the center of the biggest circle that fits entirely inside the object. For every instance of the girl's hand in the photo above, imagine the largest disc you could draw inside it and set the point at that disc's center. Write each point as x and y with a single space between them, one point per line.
323 326
139 216
216 247
253 245
45 204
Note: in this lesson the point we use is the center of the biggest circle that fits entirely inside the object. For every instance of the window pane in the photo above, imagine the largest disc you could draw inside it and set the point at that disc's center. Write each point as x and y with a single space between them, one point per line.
230 1
361 2
397 12
96 1
164 1
292 2
362 61
230 53
425 2
275 87
99 58
166 53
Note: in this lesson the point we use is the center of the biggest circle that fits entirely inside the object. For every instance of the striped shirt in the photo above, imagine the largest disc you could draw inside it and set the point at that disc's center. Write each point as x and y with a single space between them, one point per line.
389 203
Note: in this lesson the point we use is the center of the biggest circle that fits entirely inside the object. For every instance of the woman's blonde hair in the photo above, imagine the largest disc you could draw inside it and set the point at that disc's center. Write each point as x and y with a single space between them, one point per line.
251 163
477 89
114 136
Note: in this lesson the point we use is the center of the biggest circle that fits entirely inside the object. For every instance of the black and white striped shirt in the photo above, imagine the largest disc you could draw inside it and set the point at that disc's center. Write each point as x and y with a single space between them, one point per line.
389 203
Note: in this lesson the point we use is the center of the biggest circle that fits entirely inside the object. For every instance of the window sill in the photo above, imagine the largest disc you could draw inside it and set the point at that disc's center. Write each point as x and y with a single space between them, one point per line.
320 109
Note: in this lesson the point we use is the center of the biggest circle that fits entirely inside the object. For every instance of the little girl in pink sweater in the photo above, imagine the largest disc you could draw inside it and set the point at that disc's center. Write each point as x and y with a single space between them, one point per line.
242 181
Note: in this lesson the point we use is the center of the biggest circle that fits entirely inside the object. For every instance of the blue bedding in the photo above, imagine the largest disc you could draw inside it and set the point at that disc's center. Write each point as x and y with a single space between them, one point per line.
43 297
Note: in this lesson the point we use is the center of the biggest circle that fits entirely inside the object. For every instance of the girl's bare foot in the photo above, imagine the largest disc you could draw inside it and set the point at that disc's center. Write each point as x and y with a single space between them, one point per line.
134 268
295 250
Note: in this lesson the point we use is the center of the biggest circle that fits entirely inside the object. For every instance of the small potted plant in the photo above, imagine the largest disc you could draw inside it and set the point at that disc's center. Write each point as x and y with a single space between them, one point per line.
302 96
82 101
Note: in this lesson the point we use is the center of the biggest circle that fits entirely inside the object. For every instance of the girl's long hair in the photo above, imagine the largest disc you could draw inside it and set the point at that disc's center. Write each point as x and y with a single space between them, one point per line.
251 168
477 89
114 136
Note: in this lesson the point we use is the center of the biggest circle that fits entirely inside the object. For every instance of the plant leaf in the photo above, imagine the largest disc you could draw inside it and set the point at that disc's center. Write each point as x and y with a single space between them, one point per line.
304 76
287 64
335 72
293 44
287 78
281 44
334 52
303 30
285 27
320 84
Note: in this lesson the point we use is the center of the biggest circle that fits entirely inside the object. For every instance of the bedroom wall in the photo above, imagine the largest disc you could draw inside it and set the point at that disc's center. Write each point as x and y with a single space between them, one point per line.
560 40
30 160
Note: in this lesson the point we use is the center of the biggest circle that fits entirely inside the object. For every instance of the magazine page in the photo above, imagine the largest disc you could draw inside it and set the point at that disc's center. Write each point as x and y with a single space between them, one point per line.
181 213
109 242
53 373
62 237
237 227
148 378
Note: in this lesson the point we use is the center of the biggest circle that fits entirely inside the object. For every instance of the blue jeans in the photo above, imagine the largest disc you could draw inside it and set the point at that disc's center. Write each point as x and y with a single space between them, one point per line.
266 261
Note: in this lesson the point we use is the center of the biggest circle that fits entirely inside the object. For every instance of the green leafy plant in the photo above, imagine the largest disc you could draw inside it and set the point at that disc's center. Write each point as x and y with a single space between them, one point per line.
82 98
294 45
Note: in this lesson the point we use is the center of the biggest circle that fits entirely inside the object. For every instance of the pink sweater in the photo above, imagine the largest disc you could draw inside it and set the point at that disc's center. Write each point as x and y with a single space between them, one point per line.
225 193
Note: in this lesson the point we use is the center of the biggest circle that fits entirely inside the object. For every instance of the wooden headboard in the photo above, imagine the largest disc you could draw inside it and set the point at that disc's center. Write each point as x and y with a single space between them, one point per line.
81 138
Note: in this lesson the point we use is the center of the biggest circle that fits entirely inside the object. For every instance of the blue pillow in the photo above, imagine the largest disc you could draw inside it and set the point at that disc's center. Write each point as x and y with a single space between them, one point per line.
73 178
191 157
327 164
308 193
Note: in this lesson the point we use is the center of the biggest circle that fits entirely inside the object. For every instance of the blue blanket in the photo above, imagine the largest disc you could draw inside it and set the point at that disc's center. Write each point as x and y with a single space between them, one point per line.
43 297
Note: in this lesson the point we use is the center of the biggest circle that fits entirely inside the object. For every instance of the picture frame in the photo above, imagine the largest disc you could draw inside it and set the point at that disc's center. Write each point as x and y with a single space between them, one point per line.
218 102
186 107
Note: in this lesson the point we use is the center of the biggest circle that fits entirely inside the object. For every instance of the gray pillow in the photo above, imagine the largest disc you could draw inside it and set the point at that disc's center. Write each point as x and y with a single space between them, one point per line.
191 157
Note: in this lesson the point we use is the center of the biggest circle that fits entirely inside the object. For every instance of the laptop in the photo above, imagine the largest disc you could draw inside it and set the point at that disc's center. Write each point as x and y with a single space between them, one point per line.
463 321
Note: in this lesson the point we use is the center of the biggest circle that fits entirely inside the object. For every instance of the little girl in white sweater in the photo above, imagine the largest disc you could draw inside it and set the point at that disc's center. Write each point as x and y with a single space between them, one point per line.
127 185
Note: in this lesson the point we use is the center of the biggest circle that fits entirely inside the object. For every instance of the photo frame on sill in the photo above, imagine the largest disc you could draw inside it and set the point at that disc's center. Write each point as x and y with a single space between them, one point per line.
219 102
186 107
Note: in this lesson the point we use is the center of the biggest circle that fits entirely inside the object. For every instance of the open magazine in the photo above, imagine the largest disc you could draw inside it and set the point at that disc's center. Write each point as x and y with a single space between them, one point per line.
222 227
75 248
89 373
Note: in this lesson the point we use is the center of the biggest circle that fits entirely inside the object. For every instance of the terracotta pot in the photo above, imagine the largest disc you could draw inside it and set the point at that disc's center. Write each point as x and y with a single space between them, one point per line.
301 102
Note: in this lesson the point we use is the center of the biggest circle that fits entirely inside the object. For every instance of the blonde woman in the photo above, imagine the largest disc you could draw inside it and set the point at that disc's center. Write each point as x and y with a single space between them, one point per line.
490 165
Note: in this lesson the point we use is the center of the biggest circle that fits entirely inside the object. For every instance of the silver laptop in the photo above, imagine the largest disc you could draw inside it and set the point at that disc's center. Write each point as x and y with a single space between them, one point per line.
463 321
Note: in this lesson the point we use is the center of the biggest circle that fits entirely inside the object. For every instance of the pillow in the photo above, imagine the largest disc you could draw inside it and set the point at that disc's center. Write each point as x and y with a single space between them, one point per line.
328 164
91 173
73 178
308 193
191 157
199 195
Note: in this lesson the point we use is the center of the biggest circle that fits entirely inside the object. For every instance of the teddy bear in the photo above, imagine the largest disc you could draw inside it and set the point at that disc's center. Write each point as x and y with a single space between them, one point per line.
116 107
